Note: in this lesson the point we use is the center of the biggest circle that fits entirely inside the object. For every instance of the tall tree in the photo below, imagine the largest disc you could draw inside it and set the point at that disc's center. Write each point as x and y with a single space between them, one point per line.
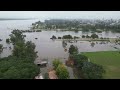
92 71
73 49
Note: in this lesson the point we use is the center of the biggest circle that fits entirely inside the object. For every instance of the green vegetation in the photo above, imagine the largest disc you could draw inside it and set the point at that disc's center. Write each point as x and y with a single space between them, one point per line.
75 37
61 69
15 68
62 72
80 24
53 37
79 59
92 71
1 48
110 60
88 69
83 36
8 40
23 31
38 30
19 65
67 37
59 37
56 62
88 36
73 49
94 36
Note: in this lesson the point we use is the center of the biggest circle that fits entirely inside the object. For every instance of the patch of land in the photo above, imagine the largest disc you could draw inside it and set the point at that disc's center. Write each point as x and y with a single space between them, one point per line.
110 60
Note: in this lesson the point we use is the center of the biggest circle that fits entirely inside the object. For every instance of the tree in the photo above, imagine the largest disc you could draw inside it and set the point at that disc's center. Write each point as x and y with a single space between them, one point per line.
67 37
16 68
17 36
73 49
75 37
56 63
87 36
92 44
92 71
83 36
11 73
7 40
20 64
1 48
79 59
62 72
94 36
59 37
22 49
64 44
53 37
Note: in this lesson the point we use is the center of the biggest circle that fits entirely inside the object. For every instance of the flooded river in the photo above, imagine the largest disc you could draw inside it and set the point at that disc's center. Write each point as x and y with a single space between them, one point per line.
48 48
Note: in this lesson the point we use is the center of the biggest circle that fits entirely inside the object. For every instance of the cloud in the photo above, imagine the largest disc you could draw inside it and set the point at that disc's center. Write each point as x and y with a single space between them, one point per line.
60 14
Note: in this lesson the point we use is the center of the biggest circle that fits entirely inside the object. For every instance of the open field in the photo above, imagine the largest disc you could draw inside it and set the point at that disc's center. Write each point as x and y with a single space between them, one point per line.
110 60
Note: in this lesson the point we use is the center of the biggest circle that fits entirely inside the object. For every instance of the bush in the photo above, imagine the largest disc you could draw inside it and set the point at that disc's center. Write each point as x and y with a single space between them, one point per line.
1 48
56 62
87 36
92 71
75 37
59 37
79 59
73 49
53 37
8 40
62 72
83 36
94 36
67 37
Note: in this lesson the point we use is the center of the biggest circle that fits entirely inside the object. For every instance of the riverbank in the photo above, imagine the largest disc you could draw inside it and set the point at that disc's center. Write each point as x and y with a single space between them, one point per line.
89 39
110 60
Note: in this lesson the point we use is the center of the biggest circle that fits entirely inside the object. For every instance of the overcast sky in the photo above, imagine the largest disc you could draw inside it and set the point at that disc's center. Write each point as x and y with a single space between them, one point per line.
60 14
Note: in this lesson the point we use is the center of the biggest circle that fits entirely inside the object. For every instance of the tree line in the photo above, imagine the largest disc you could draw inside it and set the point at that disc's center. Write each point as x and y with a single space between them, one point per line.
19 65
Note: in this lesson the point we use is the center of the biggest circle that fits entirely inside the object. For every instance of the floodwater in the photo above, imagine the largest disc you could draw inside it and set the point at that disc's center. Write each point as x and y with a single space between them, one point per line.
48 48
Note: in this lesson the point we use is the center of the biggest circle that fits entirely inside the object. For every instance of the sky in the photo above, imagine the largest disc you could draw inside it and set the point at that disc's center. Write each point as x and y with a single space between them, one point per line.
61 14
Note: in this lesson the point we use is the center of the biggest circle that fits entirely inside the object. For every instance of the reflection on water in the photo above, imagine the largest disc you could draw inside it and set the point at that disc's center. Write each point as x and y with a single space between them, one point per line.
92 44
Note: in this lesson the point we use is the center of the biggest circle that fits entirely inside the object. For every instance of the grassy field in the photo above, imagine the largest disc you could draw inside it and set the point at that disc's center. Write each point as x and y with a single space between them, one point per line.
110 60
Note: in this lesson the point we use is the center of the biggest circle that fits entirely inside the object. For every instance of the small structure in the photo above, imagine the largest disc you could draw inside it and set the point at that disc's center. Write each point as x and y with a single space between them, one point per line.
42 62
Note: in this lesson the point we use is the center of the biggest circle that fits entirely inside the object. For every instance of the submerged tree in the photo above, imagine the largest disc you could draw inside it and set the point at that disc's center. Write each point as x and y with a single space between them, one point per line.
92 44
1 48
73 49
94 36
8 40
